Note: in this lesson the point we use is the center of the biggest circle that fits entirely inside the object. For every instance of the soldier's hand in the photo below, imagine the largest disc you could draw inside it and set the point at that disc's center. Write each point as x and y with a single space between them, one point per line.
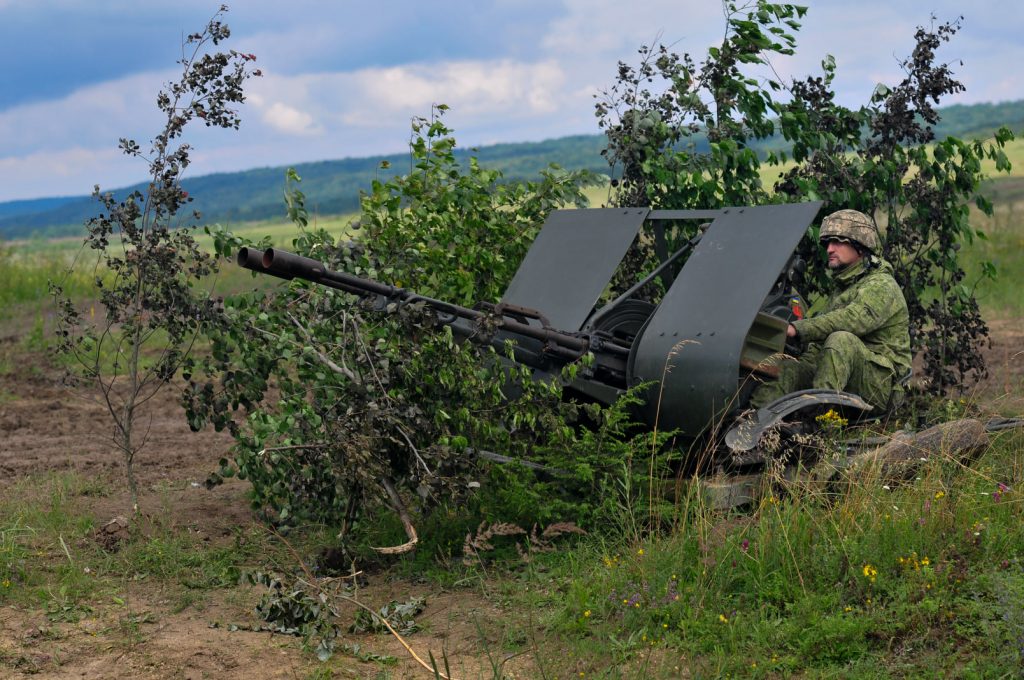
791 331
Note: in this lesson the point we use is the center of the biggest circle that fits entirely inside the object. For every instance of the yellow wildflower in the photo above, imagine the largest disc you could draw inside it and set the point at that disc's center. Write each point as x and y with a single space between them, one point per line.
870 572
831 419
722 618
939 494
586 614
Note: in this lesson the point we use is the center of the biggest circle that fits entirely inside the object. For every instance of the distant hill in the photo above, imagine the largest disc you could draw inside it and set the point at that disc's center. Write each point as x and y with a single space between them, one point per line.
34 205
332 187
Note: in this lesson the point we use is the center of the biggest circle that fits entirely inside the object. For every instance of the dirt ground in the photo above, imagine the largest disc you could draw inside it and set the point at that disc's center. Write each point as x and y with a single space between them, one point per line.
44 427
47 428
1001 392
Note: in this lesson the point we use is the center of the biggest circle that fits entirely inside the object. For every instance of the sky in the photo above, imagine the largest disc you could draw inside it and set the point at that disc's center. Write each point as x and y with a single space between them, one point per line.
344 78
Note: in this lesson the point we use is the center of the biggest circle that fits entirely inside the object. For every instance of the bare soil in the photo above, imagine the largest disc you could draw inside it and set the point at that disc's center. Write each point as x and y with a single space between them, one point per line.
46 428
1001 392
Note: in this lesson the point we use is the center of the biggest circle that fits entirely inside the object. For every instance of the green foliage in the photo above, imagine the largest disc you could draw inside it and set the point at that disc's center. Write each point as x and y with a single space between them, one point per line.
292 611
457 234
370 397
313 617
648 129
882 159
401 616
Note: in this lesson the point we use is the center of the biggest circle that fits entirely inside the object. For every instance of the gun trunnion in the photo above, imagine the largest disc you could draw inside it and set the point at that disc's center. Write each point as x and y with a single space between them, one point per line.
716 323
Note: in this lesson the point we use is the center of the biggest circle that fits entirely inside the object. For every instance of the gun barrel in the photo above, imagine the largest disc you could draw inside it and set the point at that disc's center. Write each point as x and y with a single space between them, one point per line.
251 258
288 266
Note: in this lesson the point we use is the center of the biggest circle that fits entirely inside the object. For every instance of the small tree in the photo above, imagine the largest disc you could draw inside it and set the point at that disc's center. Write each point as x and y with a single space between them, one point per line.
696 135
148 278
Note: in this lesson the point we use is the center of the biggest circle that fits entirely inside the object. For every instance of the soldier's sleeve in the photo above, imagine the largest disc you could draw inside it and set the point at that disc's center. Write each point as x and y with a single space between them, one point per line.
876 302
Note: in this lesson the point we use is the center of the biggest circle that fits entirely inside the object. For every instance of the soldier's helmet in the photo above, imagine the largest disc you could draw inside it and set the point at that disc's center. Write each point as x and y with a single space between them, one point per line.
847 226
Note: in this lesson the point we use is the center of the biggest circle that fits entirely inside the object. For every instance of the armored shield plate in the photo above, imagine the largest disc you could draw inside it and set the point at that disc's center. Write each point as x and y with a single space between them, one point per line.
571 262
694 339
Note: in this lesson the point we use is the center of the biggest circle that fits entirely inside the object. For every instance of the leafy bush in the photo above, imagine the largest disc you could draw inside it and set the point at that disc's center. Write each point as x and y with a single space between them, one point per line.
348 407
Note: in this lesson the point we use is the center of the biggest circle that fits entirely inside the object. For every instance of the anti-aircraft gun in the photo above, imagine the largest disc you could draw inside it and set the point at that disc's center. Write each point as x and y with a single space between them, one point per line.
718 329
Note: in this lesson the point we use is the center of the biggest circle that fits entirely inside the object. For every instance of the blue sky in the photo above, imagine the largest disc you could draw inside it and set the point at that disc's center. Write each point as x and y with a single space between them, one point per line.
344 78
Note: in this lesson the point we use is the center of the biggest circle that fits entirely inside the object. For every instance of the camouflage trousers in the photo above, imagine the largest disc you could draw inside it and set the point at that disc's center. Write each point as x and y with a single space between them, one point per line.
841 363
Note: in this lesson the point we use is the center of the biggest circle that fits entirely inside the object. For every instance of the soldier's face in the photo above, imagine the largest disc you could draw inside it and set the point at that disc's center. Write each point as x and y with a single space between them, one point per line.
841 255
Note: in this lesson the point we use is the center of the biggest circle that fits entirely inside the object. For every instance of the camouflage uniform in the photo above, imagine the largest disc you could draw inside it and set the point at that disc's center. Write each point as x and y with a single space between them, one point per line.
860 343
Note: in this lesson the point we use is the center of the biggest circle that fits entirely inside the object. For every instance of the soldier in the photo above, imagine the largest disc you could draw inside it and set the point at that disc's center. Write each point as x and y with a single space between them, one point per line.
860 343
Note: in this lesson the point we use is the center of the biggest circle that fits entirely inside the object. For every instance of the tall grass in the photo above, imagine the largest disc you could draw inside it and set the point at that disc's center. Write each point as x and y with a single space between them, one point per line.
1003 245
25 280
877 580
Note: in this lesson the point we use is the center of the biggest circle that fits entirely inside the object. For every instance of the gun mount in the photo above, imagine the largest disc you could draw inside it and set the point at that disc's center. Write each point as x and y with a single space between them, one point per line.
722 316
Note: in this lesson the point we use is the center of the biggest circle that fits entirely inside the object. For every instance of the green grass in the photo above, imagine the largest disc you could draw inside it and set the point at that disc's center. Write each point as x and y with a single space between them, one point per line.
925 579
1003 245
50 560
37 530
26 278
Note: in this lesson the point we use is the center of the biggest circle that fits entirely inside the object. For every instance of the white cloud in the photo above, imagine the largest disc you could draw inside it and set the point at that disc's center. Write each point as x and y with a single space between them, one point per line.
67 172
290 120
507 87
95 115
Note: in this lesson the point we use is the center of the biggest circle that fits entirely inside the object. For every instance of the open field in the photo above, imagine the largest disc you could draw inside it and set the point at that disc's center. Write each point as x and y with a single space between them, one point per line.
921 579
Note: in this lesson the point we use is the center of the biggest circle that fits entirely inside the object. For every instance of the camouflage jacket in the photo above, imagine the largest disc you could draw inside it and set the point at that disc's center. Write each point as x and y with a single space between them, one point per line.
868 303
